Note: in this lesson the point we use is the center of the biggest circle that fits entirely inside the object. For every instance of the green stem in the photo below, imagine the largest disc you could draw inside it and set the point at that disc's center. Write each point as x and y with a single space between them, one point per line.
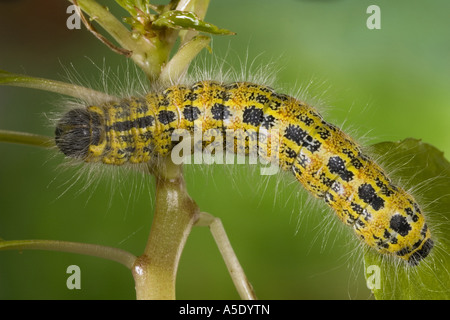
237 274
26 138
175 213
148 54
179 64
72 90
110 253
199 7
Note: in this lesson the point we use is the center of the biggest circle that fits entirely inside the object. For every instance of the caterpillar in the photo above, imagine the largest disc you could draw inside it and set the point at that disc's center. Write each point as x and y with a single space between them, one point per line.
324 159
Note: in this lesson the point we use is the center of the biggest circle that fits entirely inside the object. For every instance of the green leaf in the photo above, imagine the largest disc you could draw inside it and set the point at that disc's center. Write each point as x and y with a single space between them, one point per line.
425 167
176 19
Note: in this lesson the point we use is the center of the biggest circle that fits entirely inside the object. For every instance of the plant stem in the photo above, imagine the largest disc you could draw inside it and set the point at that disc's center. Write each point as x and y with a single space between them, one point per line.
149 54
175 213
72 90
110 253
237 274
179 63
26 138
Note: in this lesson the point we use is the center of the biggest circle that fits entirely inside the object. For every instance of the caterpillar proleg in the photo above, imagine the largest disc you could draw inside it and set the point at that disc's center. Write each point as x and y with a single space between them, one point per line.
324 159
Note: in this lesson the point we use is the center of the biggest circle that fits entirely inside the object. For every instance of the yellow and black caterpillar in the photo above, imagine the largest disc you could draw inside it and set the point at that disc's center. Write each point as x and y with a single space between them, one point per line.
327 162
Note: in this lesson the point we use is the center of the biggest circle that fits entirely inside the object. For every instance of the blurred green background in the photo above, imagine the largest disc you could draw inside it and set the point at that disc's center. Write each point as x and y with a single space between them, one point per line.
386 84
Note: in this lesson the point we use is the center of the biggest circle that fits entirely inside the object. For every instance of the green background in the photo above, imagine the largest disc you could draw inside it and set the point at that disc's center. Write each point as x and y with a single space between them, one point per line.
386 84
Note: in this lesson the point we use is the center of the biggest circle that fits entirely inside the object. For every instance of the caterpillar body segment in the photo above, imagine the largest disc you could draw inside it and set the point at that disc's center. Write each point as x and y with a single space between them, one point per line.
325 160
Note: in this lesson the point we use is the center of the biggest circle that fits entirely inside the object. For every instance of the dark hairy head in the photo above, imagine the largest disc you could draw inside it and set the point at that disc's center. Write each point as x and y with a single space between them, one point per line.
76 131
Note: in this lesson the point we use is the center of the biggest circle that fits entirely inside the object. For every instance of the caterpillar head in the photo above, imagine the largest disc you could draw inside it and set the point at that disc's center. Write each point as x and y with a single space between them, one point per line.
79 133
